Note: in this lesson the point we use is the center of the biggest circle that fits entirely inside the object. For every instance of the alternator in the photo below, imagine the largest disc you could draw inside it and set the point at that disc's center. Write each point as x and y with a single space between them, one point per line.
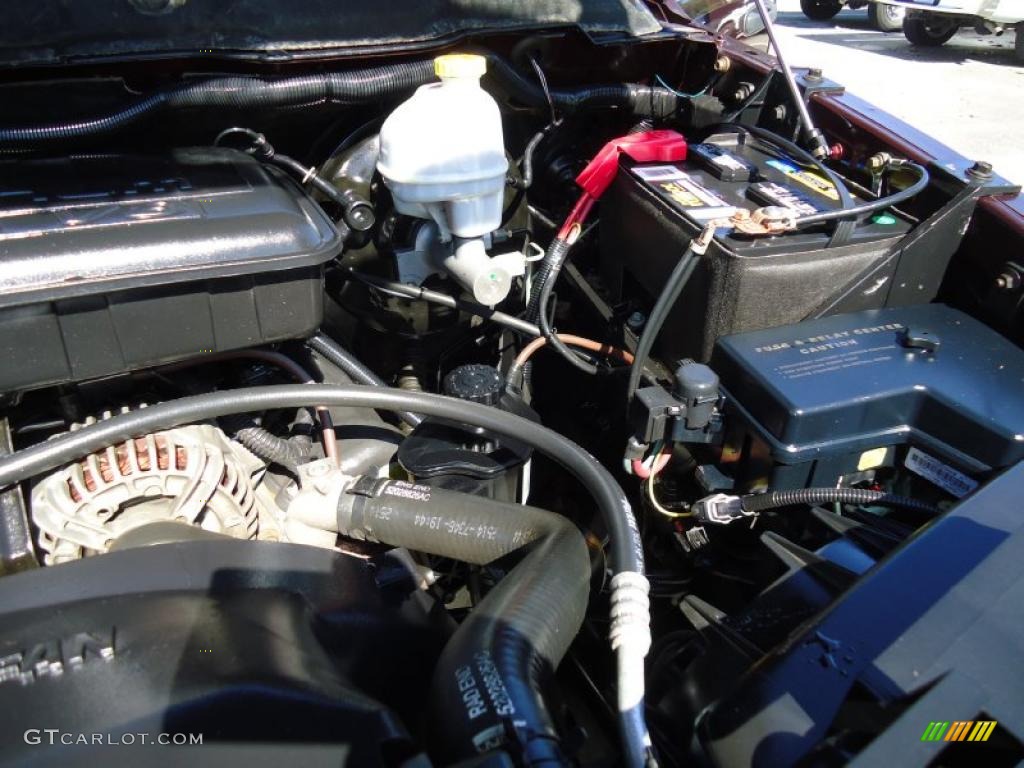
193 475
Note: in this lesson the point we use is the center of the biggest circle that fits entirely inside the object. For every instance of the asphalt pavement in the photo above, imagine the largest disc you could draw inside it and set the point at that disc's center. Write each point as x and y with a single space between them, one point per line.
969 93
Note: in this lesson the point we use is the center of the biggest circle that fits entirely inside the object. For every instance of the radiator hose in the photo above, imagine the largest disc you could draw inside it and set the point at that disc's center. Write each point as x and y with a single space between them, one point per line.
630 616
487 684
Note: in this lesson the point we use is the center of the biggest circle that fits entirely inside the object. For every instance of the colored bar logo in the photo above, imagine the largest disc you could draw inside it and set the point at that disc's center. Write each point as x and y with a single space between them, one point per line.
959 730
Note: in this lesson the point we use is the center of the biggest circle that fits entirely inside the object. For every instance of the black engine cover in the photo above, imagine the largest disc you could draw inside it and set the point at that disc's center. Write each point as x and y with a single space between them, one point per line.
272 652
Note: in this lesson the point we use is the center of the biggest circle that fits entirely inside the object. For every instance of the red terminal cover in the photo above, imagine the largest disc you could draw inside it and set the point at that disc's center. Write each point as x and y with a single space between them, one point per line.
648 147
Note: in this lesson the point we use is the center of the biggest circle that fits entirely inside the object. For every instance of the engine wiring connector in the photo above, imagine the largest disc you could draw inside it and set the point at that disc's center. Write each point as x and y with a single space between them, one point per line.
689 413
720 509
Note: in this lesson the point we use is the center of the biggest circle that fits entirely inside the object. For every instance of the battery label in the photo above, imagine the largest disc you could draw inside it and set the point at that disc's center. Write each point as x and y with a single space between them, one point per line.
770 193
810 180
728 161
722 163
658 172
686 192
948 479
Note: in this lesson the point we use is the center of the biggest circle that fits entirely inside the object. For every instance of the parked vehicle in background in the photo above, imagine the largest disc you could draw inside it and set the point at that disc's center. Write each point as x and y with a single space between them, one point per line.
883 16
734 18
934 22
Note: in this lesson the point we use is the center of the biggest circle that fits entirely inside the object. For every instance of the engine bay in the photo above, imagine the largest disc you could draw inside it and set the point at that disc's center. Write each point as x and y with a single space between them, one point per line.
538 400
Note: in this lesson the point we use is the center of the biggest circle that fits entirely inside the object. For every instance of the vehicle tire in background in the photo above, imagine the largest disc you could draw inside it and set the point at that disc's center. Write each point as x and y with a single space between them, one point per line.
928 30
886 18
820 10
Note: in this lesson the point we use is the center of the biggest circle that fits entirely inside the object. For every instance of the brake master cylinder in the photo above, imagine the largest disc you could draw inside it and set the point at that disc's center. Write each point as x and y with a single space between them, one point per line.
442 155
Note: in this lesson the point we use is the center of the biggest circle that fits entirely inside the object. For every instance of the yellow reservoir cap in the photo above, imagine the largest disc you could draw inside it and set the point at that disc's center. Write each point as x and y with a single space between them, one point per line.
460 65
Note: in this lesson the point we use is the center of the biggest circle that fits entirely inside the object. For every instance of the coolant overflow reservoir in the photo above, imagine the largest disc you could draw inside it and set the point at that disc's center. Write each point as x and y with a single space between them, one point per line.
442 155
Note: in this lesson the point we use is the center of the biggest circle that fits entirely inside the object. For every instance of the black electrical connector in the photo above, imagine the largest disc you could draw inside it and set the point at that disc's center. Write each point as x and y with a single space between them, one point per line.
687 414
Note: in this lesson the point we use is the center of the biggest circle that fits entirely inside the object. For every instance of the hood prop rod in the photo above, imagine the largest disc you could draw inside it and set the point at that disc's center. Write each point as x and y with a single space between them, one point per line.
814 138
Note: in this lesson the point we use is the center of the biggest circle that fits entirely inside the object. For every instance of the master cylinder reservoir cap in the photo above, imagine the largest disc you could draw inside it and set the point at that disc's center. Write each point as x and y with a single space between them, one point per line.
453 66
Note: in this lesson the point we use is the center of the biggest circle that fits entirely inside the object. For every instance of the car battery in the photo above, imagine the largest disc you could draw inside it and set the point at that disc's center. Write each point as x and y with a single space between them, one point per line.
925 390
653 210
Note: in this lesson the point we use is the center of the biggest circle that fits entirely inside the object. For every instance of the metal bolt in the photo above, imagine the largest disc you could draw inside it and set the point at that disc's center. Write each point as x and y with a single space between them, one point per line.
636 321
723 64
980 170
814 75
779 113
1008 281
876 163
743 90
360 217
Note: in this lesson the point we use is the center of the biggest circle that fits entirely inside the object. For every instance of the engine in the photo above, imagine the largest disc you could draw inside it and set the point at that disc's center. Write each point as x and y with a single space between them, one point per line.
496 415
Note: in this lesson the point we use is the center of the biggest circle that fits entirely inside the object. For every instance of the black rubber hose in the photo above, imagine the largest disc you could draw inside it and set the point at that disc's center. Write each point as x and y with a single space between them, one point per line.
641 100
308 175
357 211
677 280
861 496
356 86
629 632
491 674
526 170
625 548
354 367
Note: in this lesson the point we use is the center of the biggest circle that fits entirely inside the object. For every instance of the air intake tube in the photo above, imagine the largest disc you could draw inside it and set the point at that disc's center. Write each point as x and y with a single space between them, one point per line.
487 685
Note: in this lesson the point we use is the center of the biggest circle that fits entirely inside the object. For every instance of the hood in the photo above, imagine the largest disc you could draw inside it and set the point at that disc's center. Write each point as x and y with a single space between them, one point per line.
43 32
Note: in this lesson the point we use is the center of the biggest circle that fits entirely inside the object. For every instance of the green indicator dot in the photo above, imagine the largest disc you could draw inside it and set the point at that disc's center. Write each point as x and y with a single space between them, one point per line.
883 218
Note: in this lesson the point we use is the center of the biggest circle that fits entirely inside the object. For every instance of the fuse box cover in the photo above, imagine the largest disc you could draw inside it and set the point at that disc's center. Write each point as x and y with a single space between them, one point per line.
857 381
